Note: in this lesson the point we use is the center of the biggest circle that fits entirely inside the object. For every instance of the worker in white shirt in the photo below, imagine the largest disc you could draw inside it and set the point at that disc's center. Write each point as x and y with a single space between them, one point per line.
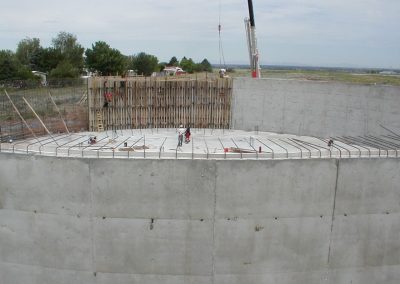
181 131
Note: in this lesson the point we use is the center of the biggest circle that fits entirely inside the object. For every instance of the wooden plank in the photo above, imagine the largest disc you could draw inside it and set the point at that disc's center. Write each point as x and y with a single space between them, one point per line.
20 116
144 102
58 110
37 116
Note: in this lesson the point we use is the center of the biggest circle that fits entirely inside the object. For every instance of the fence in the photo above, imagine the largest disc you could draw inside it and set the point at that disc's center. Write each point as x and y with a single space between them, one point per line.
67 99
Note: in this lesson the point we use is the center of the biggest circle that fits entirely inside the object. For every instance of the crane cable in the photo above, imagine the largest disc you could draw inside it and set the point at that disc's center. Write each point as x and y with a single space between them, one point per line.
221 50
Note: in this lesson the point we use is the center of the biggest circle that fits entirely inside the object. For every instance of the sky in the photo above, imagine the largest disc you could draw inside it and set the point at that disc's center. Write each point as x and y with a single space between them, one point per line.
330 33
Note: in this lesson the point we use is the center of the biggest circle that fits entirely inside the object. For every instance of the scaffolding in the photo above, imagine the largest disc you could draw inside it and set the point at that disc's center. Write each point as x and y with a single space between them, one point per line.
136 103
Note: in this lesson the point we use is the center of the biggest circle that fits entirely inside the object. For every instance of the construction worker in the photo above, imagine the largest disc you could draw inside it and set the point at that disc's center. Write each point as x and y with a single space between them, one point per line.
187 135
107 99
92 140
181 131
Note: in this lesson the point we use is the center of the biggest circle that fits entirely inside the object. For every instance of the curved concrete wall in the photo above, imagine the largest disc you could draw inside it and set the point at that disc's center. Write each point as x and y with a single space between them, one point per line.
198 221
314 108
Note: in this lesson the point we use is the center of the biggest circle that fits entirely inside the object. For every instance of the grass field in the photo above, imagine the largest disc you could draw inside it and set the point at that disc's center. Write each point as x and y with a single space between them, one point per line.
323 75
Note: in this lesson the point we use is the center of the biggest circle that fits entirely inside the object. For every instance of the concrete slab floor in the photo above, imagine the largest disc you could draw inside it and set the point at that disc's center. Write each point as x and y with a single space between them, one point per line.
204 144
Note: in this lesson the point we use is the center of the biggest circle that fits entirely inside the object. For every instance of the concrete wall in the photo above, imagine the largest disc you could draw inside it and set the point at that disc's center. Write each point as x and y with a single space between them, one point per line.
314 108
175 221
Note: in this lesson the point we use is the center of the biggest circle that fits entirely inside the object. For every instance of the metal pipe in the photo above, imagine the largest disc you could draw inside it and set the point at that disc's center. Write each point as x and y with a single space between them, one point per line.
133 145
358 141
308 144
379 144
122 142
287 152
80 143
385 142
392 137
33 143
205 142
223 148
159 154
301 151
302 145
389 130
80 136
237 147
272 150
61 137
333 146
319 146
339 146
103 146
373 142
17 143
90 145
252 147
350 143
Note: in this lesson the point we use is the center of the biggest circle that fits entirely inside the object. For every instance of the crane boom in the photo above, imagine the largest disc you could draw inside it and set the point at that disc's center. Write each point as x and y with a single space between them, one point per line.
252 42
251 13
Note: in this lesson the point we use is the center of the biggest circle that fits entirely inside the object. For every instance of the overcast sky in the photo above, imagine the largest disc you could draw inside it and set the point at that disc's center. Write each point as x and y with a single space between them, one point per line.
349 33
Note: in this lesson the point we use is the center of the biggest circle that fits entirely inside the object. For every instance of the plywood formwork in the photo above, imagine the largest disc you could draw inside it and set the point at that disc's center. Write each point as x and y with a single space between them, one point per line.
159 103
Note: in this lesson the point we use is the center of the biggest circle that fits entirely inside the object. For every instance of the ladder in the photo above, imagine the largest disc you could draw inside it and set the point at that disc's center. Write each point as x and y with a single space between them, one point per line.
99 120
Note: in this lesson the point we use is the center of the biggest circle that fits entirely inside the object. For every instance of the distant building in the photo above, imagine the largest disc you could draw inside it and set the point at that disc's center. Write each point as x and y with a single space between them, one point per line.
131 73
43 77
388 72
173 70
87 74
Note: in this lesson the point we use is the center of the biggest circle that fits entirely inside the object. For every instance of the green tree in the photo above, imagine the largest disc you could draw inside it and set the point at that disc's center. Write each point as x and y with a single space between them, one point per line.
205 66
145 63
69 48
187 65
48 59
197 67
104 59
11 68
173 62
162 65
28 51
64 69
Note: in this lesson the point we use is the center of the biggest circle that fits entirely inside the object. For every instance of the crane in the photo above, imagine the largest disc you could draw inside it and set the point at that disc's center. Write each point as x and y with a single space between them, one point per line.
252 42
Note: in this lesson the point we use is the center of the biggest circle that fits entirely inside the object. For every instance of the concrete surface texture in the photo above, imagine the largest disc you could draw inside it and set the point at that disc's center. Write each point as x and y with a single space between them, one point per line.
72 220
319 109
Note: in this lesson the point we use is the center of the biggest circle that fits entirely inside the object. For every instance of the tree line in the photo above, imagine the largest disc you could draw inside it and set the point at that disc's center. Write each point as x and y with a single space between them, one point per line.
66 58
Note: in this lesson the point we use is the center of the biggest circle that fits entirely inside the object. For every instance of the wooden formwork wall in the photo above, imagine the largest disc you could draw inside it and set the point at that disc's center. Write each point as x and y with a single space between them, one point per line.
159 103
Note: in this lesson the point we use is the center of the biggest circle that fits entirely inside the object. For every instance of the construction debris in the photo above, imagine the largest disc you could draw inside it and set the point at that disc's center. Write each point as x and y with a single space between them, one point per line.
133 148
238 150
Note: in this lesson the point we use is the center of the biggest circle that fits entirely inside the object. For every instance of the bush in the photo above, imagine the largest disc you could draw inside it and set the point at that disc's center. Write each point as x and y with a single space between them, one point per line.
64 69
